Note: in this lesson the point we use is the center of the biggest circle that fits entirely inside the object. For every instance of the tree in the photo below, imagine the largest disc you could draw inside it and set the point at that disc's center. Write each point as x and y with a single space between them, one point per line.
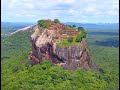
70 39
43 23
56 21
81 35
78 38
74 25
80 28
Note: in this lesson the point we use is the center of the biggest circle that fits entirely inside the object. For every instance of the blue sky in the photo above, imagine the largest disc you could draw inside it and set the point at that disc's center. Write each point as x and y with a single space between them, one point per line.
83 11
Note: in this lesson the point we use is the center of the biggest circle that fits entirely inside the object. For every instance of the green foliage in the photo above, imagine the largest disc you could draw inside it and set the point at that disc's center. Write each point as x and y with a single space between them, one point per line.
46 76
66 42
87 49
74 25
18 74
73 40
78 38
70 39
56 21
106 58
43 23
81 36
14 45
80 28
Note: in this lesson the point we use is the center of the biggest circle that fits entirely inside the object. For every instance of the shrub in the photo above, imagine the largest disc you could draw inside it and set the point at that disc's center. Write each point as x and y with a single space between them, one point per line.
84 33
87 49
70 39
56 21
81 36
74 25
80 28
78 38
43 23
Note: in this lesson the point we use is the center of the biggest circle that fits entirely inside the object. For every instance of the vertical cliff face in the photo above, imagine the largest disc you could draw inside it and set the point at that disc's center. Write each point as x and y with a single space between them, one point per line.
69 57
75 56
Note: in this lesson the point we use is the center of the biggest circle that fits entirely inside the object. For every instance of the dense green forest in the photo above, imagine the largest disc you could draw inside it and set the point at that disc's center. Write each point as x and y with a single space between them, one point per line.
14 45
18 74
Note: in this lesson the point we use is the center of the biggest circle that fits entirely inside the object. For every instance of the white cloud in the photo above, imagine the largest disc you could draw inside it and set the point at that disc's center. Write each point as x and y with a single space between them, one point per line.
29 5
77 9
91 9
67 1
112 13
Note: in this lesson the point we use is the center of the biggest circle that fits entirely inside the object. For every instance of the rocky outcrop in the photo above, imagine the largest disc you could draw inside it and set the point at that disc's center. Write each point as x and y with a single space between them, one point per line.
69 57
75 56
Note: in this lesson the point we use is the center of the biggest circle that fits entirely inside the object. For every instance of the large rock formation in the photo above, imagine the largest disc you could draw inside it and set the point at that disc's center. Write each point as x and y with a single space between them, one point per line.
44 46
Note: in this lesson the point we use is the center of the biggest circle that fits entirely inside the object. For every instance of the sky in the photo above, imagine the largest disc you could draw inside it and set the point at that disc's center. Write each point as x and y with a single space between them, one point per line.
81 11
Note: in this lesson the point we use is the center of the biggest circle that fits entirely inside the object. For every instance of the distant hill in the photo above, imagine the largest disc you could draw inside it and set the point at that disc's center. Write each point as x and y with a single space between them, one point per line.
8 27
16 23
95 25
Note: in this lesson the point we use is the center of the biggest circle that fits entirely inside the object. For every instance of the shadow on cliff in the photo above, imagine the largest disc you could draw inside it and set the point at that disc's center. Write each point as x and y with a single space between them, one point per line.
55 57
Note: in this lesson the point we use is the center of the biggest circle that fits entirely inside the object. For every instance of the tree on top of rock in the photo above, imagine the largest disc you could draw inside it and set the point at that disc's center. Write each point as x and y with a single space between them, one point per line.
43 23
80 28
74 25
56 21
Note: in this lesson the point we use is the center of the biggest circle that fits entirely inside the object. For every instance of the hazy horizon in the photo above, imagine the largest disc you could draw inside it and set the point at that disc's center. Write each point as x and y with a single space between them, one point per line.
63 22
